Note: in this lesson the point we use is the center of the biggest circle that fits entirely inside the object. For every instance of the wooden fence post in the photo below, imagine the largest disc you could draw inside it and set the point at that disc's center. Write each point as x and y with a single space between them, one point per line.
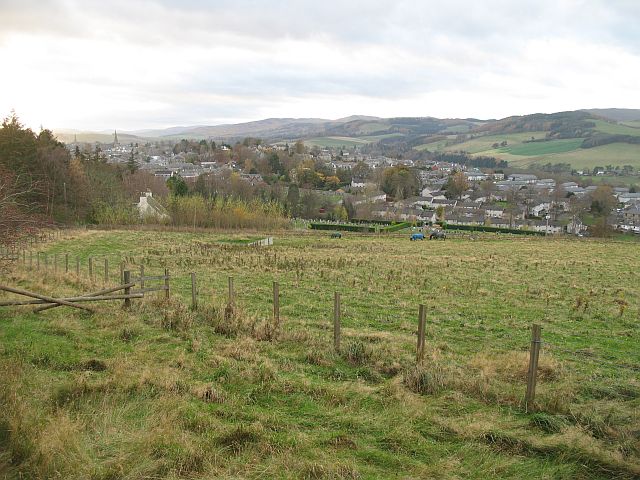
127 291
66 263
141 276
78 267
276 304
231 292
534 354
421 334
106 270
336 321
91 269
194 297
166 283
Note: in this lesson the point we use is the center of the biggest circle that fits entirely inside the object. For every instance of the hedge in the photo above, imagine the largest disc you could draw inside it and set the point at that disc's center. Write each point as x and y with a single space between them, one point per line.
373 222
396 227
341 227
483 228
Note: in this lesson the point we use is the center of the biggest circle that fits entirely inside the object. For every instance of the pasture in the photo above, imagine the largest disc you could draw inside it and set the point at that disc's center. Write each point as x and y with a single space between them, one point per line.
164 391
336 142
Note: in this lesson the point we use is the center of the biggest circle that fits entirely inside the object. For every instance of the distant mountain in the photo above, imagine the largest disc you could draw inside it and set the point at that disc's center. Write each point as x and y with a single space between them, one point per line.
616 114
367 129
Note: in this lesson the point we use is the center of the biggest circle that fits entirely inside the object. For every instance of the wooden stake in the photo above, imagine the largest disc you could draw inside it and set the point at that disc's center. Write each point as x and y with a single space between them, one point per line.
231 292
421 334
166 283
194 298
141 276
91 269
336 321
276 304
127 291
66 263
77 266
533 367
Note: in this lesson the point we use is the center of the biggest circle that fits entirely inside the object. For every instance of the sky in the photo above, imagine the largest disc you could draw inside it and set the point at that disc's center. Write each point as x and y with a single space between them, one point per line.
102 65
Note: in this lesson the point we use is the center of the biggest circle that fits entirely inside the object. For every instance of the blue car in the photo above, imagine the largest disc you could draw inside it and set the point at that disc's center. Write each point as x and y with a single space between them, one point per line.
417 236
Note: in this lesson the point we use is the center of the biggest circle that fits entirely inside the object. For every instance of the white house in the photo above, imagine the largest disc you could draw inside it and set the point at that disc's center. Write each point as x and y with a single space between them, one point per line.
150 207
540 208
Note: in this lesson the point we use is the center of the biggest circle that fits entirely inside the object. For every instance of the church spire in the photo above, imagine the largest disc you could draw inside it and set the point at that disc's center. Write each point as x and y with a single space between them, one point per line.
115 138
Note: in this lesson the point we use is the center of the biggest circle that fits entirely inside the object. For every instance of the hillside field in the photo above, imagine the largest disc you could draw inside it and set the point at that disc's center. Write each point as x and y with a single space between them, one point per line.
162 391
520 154
336 142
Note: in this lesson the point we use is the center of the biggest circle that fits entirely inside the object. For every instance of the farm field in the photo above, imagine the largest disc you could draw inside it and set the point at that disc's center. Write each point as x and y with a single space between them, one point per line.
543 148
613 154
335 142
520 154
161 391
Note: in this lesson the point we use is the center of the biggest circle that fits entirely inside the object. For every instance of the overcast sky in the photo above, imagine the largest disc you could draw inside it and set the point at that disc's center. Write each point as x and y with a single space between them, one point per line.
94 65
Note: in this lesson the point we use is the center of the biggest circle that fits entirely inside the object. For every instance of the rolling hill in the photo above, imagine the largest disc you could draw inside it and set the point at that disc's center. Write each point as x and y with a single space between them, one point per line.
582 138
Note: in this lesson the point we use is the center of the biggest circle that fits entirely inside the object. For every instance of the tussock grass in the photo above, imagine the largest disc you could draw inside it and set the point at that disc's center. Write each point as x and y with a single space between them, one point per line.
163 391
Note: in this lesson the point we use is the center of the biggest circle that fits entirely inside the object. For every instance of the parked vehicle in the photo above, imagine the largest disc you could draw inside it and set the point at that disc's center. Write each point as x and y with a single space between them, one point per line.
417 236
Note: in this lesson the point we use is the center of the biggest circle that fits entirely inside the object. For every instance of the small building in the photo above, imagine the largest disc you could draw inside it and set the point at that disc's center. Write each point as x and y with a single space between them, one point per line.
149 207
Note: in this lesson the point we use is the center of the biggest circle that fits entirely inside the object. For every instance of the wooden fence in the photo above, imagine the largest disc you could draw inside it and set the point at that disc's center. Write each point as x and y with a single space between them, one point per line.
136 288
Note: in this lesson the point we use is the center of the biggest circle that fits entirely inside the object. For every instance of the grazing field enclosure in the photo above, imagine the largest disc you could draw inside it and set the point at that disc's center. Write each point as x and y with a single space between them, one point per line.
246 381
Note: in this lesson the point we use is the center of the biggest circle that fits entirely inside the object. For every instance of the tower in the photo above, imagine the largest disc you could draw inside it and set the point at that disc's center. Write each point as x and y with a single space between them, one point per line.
115 138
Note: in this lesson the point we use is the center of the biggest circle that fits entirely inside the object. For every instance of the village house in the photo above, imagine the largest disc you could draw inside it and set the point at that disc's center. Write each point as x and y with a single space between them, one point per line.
632 215
150 207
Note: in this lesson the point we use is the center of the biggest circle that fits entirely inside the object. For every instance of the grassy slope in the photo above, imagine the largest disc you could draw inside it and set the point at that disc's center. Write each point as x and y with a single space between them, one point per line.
483 145
335 142
556 151
616 128
188 395
613 154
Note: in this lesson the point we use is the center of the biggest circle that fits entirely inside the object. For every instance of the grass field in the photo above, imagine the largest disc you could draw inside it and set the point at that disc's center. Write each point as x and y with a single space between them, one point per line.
616 128
484 144
335 142
161 391
534 149
613 154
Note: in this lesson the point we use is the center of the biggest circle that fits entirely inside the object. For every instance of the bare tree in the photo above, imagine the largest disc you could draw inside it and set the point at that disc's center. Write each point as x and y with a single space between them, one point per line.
18 217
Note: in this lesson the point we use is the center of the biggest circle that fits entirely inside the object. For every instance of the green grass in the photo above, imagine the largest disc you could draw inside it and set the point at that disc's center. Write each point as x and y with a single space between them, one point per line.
164 392
520 154
484 144
614 154
335 142
543 148
616 128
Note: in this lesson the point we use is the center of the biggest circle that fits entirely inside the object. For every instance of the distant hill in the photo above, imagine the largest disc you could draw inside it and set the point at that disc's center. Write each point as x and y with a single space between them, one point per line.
579 138
616 114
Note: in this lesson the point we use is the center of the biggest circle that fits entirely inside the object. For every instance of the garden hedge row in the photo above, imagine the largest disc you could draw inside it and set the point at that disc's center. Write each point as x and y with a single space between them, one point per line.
483 228
341 227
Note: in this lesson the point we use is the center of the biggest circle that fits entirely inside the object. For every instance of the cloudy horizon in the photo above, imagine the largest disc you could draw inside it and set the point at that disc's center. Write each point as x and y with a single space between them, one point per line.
160 63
